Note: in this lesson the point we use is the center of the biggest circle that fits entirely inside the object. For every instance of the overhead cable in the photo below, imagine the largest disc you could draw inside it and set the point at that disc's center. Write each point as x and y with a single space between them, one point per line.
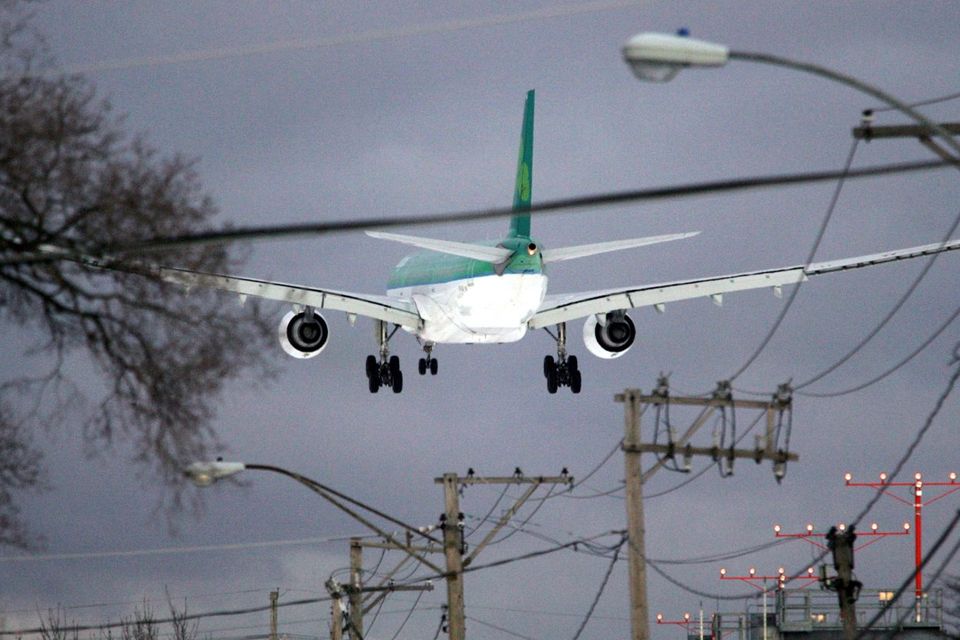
603 585
499 628
913 354
896 307
222 236
810 256
922 103
909 580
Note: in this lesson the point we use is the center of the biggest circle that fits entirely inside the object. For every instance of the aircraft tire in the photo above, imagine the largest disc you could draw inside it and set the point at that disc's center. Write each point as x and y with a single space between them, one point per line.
552 380
422 367
374 383
394 365
572 364
576 381
548 366
433 367
398 382
371 366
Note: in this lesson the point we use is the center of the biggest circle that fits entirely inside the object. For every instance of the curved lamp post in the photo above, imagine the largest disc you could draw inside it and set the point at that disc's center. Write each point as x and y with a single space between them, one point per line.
658 57
203 474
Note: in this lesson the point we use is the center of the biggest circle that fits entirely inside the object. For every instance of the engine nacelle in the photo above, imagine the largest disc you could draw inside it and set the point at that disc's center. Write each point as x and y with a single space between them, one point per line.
610 339
302 338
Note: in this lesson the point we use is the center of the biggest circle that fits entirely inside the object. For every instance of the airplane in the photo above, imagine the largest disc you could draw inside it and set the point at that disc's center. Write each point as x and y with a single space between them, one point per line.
495 292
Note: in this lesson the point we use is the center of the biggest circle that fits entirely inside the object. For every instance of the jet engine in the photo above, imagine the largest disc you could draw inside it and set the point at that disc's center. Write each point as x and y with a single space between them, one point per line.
303 334
610 337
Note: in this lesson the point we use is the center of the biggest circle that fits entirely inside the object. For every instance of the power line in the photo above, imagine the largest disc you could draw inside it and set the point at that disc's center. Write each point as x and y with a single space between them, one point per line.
405 620
557 205
896 308
102 605
922 103
906 583
728 555
499 628
192 616
913 354
941 400
603 585
812 253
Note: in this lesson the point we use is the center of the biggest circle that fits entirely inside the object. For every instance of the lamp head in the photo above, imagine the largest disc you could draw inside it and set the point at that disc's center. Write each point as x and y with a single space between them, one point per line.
203 474
658 57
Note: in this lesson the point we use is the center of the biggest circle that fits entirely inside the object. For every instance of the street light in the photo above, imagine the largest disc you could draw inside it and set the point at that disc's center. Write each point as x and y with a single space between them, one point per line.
658 57
205 473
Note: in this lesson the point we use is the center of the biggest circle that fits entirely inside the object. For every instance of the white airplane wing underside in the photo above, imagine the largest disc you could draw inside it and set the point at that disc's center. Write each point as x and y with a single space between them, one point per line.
392 310
563 308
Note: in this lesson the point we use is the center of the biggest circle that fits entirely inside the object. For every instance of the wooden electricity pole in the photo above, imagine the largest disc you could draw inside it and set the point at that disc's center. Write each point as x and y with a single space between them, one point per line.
274 596
355 595
454 547
635 403
867 131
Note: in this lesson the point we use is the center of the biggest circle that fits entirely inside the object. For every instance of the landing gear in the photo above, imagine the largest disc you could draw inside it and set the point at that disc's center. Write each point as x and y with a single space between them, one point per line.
563 371
385 371
428 363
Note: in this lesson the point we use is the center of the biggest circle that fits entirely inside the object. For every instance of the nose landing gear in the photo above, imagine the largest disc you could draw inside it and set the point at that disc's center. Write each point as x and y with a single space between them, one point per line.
429 363
564 371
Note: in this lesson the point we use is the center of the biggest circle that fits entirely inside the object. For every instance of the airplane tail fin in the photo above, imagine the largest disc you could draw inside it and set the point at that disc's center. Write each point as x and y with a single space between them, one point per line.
520 222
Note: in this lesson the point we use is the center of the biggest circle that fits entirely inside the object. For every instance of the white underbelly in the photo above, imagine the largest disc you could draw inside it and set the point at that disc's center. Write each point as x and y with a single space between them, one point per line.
477 310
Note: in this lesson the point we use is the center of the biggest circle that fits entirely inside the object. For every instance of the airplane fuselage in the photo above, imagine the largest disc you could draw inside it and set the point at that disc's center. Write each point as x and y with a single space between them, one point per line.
469 301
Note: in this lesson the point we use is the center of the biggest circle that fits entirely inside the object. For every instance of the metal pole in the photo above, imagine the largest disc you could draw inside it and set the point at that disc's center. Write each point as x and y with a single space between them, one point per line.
918 545
854 83
636 555
764 609
456 622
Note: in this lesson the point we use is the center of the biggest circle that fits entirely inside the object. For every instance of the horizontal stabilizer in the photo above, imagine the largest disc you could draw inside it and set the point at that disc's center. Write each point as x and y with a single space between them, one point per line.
583 250
493 255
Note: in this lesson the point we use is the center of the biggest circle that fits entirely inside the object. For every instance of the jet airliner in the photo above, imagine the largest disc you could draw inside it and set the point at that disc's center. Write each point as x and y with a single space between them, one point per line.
456 292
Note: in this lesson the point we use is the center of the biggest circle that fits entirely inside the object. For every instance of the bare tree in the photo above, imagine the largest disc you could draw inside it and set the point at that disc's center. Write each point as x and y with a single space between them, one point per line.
72 178
183 627
55 626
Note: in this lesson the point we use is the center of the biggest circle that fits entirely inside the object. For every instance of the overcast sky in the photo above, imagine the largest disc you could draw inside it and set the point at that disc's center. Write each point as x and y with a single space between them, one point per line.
415 108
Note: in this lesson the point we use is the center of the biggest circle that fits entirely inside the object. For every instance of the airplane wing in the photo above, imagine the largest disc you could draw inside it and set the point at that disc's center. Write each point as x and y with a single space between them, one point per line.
562 308
392 310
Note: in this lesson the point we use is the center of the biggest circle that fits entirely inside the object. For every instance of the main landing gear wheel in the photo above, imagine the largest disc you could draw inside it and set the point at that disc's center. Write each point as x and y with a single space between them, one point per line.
384 374
385 371
562 371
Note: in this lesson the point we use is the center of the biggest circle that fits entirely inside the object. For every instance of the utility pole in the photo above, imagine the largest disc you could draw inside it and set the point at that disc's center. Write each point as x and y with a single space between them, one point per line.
356 584
336 609
635 404
453 553
840 544
274 596
454 546
869 132
337 591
